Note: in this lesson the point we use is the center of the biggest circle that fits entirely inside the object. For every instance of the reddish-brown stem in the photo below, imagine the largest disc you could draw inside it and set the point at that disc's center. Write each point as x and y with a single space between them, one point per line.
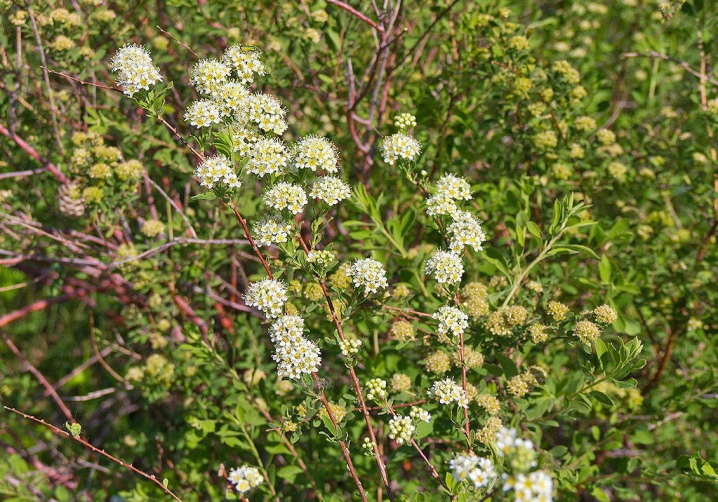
40 377
345 450
181 43
247 234
35 155
33 307
432 469
356 14
357 385
87 445
83 82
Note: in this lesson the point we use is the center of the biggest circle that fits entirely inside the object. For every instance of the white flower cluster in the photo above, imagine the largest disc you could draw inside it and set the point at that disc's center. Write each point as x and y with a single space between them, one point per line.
244 137
266 112
507 440
227 97
399 146
401 429
464 231
293 353
440 205
286 196
376 389
203 113
418 413
271 230
268 295
230 96
454 187
368 274
446 267
215 170
537 486
267 156
447 391
451 319
208 75
316 154
135 69
350 347
480 471
245 478
330 190
245 61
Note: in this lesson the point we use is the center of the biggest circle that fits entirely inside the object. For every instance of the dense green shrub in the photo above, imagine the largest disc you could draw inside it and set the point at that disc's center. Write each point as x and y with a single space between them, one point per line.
417 251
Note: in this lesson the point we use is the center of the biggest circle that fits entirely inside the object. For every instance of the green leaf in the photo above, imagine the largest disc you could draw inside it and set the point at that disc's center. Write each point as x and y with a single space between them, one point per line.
205 196
604 269
509 367
289 473
534 230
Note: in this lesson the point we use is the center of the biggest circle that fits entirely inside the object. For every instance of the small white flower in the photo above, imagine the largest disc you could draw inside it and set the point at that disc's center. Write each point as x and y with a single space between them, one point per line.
135 69
446 267
272 230
451 319
245 61
399 146
245 478
286 196
454 187
316 154
203 113
208 75
330 190
368 274
465 230
217 170
267 295
267 156
447 391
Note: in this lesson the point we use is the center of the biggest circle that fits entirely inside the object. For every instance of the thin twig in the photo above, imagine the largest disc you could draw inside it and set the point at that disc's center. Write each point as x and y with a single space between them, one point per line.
41 378
59 432
356 14
181 43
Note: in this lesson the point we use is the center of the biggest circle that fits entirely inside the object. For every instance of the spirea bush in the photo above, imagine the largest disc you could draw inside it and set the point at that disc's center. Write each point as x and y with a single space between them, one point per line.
326 251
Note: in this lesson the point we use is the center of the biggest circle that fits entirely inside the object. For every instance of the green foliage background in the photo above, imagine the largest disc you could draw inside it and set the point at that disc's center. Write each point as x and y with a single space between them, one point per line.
644 433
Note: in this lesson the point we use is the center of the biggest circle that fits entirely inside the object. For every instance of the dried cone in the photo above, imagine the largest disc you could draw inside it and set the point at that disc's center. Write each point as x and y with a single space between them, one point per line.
69 200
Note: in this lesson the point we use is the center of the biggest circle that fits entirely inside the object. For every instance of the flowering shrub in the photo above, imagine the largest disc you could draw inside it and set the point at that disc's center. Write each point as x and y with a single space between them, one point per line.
296 251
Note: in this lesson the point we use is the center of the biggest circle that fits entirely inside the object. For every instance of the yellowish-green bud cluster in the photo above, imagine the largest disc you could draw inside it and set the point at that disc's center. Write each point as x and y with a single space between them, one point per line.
605 136
545 140
490 403
569 73
437 362
337 410
618 171
92 195
487 433
313 291
402 331
585 123
519 43
538 332
132 169
605 314
400 382
152 228
472 358
557 310
340 279
587 332
401 292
